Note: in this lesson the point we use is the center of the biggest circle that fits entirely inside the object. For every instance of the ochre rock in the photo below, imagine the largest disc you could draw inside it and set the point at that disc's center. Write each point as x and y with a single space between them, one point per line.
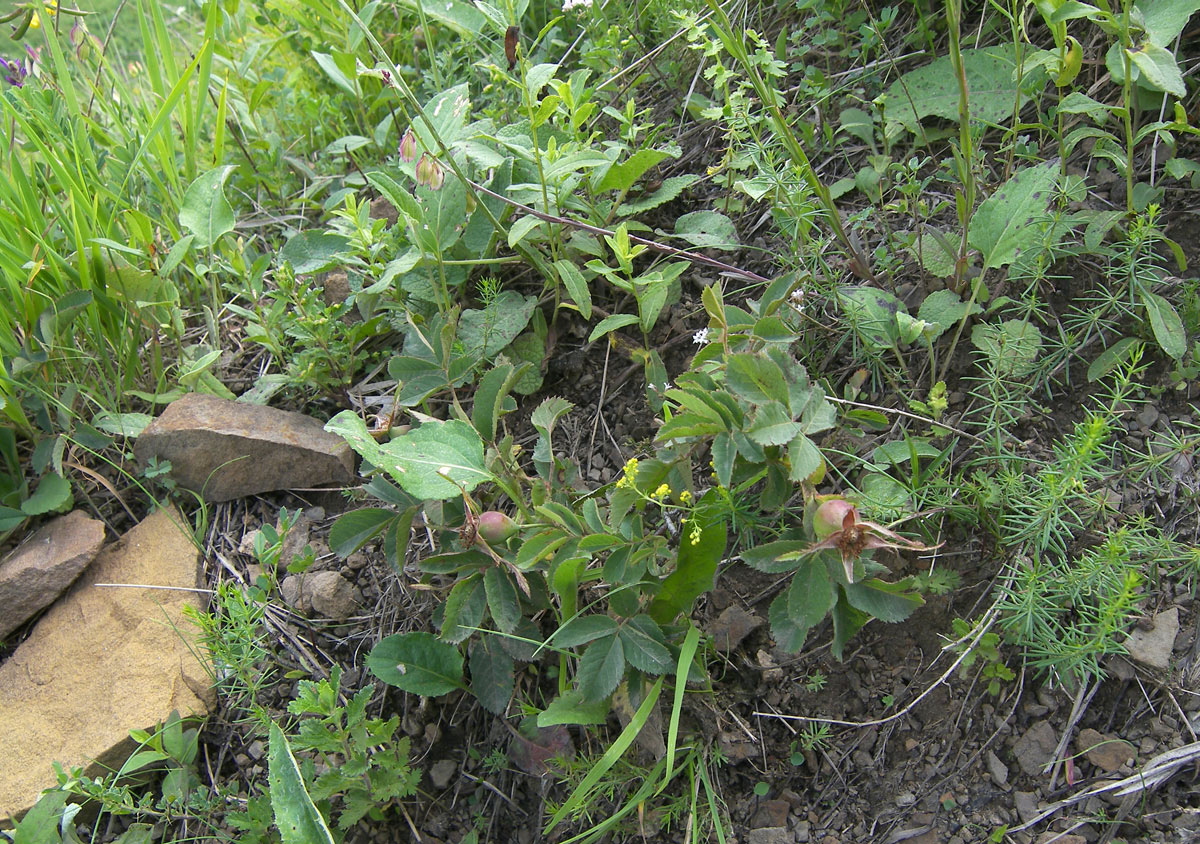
103 661
226 449
37 572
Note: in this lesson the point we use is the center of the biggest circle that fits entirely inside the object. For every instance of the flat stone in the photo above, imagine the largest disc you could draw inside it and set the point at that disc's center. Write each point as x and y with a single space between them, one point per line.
103 661
1107 753
1060 838
1035 748
771 813
1026 804
922 835
1148 416
731 627
770 835
226 449
1153 646
44 565
996 769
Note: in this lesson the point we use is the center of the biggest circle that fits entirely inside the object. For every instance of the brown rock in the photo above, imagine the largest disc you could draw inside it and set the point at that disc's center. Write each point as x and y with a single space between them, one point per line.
1051 837
103 661
1105 752
731 627
36 573
226 450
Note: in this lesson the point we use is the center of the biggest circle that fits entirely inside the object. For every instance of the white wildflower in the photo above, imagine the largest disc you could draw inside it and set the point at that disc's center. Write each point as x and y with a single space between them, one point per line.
797 300
700 337
568 5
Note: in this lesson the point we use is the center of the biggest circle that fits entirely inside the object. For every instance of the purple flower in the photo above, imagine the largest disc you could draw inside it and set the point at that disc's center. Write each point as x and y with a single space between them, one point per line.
14 72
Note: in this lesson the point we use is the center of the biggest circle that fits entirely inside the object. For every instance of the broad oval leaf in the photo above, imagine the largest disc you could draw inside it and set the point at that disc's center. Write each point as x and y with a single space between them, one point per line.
205 211
417 663
464 608
502 598
695 570
707 230
773 425
1168 327
1012 219
756 378
53 496
439 460
492 680
310 252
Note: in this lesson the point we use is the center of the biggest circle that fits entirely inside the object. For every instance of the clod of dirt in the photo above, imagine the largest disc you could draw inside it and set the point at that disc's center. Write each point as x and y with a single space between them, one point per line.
731 627
736 749
331 595
533 755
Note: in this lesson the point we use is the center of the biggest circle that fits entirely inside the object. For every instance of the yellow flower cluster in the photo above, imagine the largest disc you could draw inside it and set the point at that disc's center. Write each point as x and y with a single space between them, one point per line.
662 492
694 536
630 472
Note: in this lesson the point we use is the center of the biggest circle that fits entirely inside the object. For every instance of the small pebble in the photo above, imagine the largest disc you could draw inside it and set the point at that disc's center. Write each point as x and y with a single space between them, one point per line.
442 773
